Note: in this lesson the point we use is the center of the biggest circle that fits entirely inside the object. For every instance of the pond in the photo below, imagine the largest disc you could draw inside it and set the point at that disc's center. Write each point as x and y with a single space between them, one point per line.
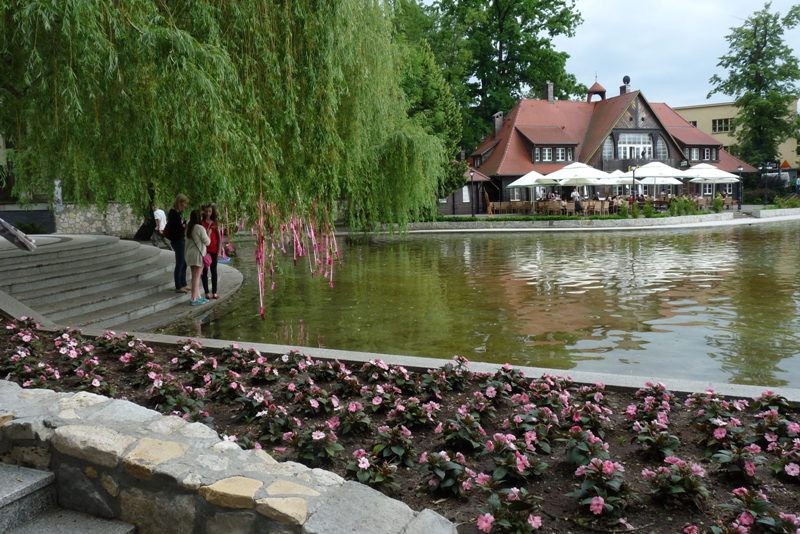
706 304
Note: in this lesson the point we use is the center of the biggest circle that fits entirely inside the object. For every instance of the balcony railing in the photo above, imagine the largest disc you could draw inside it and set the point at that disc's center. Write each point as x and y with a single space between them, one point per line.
609 165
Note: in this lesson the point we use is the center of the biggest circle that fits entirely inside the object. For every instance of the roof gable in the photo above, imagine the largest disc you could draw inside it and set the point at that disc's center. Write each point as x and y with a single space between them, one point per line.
606 115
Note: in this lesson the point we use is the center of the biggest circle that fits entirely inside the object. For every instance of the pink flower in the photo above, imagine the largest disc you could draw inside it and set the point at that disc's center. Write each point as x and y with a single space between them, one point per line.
95 382
376 401
423 457
490 446
438 429
597 505
482 479
697 470
720 433
740 492
491 392
466 485
363 462
513 494
648 474
691 529
317 435
484 522
792 469
314 403
745 518
353 407
522 462
750 468
608 467
359 453
793 428
535 521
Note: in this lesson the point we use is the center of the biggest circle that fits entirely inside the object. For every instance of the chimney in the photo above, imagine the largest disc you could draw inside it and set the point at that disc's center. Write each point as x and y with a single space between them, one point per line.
626 85
548 91
498 122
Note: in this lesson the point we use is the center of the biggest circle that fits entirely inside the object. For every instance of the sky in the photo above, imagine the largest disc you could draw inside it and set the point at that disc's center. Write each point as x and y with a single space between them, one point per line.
669 48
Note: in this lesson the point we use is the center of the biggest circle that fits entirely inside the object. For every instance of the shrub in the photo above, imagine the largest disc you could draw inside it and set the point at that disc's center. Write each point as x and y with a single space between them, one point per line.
371 470
649 211
635 210
623 210
394 445
511 510
317 445
443 475
582 445
603 488
717 203
677 480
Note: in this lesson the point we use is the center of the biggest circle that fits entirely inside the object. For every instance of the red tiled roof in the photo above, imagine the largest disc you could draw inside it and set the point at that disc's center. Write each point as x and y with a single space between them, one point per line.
478 176
680 128
552 135
606 114
596 88
729 162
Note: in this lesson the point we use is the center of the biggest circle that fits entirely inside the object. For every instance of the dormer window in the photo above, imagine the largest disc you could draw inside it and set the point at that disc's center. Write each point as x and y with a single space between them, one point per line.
537 154
547 154
561 154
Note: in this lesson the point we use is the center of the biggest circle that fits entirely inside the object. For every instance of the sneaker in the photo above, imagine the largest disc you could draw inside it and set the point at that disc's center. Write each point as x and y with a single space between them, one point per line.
198 302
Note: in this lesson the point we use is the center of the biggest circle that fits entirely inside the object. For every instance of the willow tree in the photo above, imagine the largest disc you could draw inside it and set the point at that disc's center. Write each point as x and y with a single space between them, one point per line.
298 101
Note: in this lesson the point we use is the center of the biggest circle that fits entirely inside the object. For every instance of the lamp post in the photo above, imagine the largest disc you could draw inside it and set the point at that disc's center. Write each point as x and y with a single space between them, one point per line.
472 191
741 186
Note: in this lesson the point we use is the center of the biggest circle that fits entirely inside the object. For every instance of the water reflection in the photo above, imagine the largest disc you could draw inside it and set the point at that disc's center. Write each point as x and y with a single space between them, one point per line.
711 305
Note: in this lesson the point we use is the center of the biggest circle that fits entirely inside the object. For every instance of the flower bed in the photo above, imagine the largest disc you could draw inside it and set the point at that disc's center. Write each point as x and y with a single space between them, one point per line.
493 453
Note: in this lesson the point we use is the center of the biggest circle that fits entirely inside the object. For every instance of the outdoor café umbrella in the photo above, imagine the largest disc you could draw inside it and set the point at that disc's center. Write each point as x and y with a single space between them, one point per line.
705 173
577 174
532 179
656 173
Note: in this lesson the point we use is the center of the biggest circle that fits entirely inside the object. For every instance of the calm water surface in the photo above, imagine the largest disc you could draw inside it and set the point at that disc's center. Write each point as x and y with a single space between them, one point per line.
716 305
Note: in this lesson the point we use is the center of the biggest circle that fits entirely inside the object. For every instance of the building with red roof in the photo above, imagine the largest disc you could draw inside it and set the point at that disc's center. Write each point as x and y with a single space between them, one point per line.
607 133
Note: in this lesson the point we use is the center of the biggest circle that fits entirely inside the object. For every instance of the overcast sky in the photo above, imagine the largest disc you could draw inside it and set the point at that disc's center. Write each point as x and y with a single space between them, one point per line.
669 48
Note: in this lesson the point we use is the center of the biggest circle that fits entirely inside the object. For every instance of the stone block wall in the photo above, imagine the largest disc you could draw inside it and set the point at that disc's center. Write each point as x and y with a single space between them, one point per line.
117 220
764 214
117 460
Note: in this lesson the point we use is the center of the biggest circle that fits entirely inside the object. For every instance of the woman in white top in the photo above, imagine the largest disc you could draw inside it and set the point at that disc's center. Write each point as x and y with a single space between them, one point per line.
196 241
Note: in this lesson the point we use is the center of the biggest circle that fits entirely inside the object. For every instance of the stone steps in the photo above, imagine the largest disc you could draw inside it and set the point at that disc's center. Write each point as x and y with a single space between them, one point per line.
99 282
28 506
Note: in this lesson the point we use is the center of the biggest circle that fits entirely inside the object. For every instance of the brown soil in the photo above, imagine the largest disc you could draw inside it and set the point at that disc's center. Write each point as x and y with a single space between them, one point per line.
560 513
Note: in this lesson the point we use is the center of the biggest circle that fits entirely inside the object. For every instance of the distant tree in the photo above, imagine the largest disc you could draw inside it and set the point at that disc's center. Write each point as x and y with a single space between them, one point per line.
431 104
497 51
761 75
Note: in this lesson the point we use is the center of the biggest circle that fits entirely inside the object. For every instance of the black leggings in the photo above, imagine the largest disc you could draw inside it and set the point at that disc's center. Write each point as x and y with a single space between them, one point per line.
213 269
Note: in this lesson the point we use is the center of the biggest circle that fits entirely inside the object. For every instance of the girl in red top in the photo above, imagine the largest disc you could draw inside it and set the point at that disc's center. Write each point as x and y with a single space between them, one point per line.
210 224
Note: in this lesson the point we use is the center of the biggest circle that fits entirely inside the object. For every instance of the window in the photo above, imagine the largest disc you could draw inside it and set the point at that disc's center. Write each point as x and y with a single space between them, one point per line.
465 194
694 154
561 154
608 149
726 188
635 146
714 154
720 125
662 154
569 154
693 123
537 154
707 189
443 200
706 154
547 154
516 194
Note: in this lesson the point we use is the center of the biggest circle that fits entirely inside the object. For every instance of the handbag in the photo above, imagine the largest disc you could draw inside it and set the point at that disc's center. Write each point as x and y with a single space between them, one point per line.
207 258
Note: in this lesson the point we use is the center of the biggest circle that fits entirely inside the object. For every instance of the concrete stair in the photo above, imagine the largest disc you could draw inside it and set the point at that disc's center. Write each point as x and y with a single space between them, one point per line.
28 505
99 282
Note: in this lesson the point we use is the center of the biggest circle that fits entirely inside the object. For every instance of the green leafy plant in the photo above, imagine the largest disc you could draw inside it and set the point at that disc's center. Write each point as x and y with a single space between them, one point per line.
677 480
441 474
394 445
371 470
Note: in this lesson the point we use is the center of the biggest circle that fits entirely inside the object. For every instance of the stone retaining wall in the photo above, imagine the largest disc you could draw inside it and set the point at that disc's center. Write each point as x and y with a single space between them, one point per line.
488 223
763 214
117 220
117 460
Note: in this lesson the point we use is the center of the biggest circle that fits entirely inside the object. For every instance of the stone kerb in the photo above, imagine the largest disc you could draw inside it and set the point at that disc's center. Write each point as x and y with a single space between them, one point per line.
117 460
117 220
764 214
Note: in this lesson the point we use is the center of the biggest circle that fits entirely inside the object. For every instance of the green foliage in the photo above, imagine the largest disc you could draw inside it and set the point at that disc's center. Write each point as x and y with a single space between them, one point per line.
717 203
635 210
761 75
649 211
220 100
492 53
785 203
623 210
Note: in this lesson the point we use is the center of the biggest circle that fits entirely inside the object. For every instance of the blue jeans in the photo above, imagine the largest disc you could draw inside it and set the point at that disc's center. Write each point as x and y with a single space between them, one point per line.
179 246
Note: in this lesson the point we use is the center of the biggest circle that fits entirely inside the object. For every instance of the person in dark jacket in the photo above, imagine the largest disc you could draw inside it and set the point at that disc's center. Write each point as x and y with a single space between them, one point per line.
175 231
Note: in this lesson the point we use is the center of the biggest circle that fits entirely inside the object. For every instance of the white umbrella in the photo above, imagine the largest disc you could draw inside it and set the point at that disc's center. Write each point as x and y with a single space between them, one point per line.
619 179
704 173
532 179
578 170
657 180
656 169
